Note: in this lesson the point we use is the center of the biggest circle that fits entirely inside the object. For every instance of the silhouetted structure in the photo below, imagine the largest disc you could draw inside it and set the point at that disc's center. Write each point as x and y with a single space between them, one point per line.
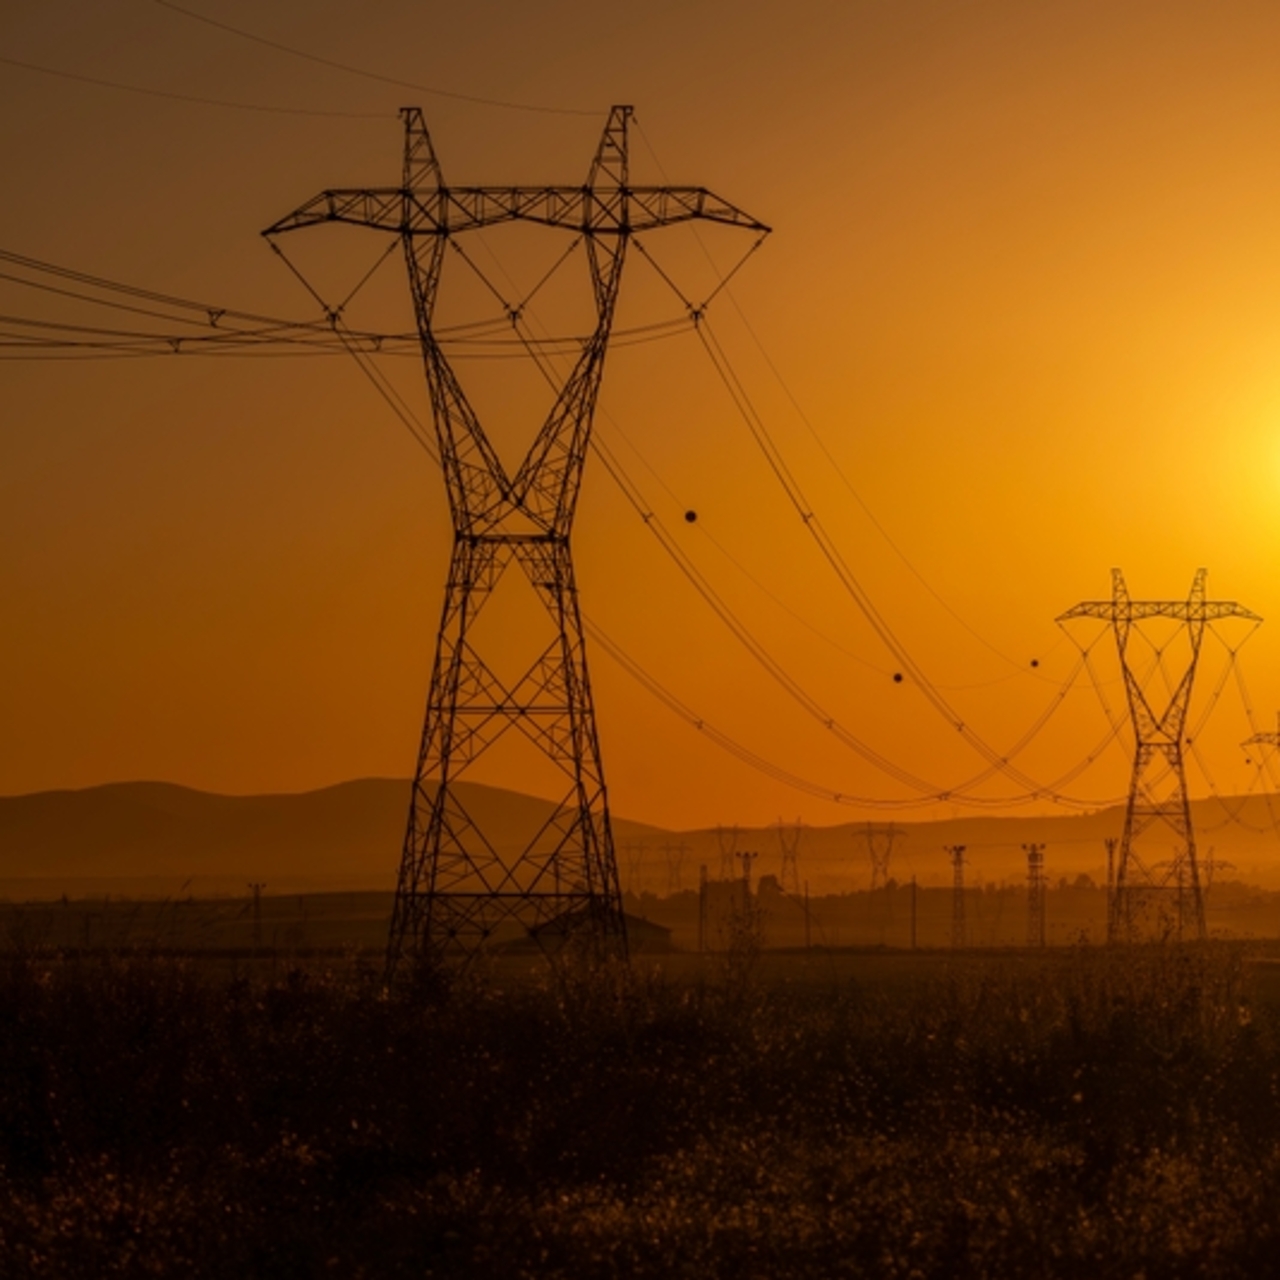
727 843
675 855
1111 844
959 930
702 907
1035 894
789 841
456 885
634 851
1158 786
880 840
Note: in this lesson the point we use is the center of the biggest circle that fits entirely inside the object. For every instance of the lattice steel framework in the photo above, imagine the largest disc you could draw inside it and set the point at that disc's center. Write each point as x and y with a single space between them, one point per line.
1265 739
675 854
880 838
457 887
1140 900
727 844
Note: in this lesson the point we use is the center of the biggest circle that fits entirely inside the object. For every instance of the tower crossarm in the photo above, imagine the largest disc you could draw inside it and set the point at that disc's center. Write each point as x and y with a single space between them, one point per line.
451 210
1138 610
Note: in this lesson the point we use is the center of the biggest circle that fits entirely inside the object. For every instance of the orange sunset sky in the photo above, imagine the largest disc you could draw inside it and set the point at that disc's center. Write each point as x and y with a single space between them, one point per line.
1024 281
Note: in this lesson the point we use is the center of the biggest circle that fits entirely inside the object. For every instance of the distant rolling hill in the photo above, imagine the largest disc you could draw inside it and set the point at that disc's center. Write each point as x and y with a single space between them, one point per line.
1238 830
155 838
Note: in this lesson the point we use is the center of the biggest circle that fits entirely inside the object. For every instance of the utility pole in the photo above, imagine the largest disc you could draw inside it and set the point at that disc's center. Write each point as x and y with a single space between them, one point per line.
808 936
1112 935
959 934
913 913
1035 894
702 907
1158 784
748 856
455 887
789 840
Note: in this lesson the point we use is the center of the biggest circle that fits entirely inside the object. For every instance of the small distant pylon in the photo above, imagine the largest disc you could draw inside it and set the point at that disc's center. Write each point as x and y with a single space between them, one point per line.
675 855
880 840
1035 894
727 841
959 932
789 841
634 852
1211 866
1265 739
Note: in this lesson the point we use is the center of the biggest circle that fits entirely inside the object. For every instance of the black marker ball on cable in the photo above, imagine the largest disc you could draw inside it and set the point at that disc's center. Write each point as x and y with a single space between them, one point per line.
691 517
897 677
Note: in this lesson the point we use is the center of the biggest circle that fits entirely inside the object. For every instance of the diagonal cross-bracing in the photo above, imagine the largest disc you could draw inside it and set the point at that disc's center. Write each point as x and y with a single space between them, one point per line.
460 888
1150 899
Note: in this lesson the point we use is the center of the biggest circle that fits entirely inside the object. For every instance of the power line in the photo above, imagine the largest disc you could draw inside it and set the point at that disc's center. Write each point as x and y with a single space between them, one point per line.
332 336
723 740
996 762
365 74
192 98
777 464
826 450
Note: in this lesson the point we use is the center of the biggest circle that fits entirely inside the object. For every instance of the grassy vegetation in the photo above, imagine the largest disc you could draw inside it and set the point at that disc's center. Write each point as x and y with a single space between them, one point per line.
1088 1114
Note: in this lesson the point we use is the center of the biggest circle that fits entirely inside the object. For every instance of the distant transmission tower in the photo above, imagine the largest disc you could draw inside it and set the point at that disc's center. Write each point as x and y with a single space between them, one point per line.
727 842
457 884
789 842
1265 739
959 932
880 840
1158 785
634 851
675 855
1035 894
1211 867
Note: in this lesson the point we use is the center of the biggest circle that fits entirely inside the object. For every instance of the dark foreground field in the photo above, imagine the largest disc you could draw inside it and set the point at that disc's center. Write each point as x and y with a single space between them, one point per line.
1088 1114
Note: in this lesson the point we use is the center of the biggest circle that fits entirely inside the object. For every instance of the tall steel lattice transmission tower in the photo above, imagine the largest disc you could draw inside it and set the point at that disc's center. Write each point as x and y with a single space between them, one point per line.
1140 899
460 888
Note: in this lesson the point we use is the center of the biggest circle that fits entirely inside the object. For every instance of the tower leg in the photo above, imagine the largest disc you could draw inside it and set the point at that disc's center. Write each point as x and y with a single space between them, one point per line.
460 888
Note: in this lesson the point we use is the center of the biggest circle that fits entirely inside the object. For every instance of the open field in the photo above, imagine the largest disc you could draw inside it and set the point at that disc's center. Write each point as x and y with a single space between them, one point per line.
288 924
1079 1113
